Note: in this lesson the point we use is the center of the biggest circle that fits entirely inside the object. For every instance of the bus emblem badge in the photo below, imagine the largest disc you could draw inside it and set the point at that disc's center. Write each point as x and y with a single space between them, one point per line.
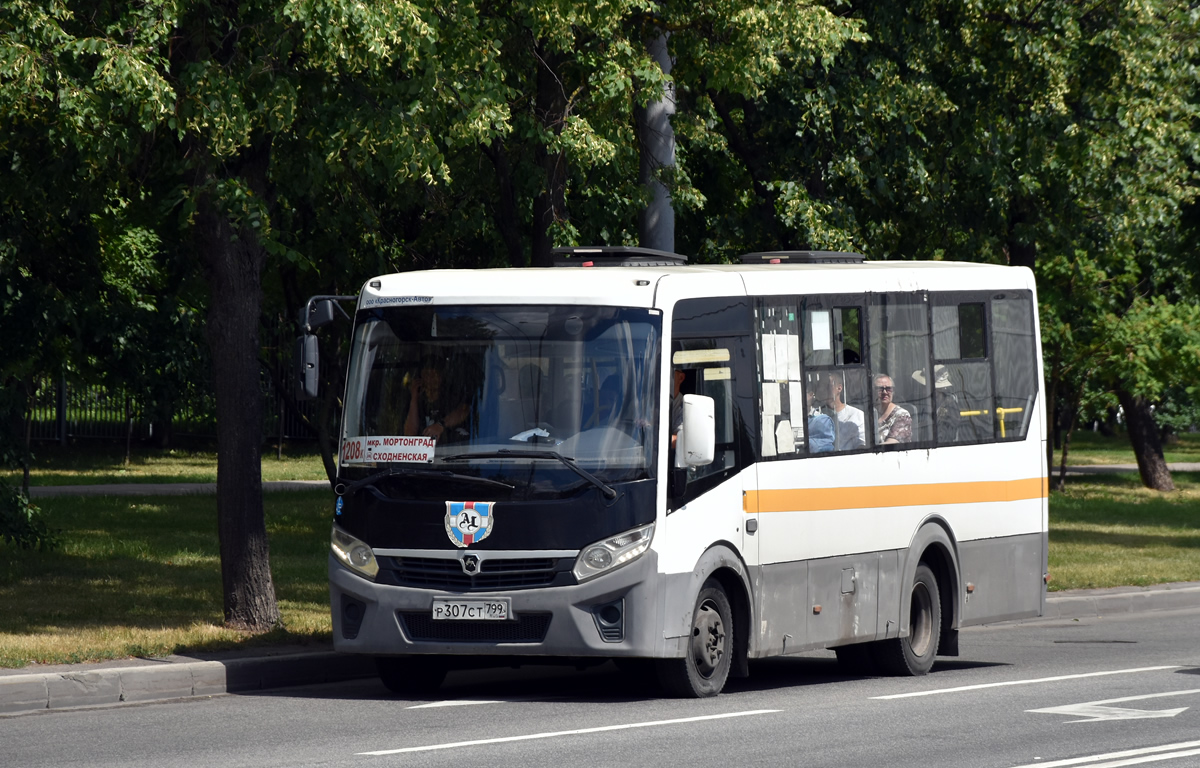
468 522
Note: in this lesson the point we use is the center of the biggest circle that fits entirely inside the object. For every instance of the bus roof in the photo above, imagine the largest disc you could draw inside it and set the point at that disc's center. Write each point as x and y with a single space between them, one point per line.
639 286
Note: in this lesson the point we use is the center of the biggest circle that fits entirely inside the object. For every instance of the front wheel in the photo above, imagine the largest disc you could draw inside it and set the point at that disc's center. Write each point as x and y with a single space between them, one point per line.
914 655
705 667
411 675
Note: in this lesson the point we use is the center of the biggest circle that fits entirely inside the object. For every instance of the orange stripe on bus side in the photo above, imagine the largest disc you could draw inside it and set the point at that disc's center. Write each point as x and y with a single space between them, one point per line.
814 499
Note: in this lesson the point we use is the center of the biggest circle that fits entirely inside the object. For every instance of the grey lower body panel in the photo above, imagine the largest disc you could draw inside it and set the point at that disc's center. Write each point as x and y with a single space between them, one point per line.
1003 578
556 621
825 603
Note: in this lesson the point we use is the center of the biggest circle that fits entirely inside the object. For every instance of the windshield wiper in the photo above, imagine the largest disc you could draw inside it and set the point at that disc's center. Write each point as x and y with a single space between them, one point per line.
507 453
417 472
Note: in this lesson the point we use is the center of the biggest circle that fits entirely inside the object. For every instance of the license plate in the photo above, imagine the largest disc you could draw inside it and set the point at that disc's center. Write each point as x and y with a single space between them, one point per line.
477 609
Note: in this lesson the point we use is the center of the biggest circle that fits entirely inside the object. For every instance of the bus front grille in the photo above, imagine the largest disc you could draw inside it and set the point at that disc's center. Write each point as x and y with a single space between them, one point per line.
528 628
494 573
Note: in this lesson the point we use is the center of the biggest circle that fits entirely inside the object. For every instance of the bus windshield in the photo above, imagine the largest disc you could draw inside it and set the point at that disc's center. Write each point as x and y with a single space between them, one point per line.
487 390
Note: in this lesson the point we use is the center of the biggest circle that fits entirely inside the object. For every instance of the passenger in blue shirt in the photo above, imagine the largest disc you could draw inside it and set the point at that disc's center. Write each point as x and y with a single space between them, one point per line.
820 433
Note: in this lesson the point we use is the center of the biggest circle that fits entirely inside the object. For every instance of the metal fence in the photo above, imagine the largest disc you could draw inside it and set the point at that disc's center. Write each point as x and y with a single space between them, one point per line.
63 412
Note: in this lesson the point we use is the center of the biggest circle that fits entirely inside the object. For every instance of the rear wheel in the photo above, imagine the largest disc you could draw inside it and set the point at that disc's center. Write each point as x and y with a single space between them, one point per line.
411 675
914 655
705 667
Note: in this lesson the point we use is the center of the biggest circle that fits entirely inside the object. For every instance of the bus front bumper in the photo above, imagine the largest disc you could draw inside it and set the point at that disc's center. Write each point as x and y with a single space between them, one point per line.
570 621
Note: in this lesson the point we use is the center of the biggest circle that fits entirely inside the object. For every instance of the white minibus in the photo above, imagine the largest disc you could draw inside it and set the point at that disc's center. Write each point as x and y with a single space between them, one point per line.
686 467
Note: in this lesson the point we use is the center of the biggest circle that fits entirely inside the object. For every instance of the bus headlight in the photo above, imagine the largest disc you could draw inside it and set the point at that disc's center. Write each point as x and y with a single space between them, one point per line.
613 552
353 553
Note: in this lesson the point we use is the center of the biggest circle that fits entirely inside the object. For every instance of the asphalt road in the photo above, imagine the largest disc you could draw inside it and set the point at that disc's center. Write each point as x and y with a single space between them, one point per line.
1095 692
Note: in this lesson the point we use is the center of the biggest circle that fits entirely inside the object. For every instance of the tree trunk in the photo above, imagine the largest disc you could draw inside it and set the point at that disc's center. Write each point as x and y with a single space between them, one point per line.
1143 434
656 145
128 430
506 216
551 205
1073 413
1022 251
235 261
771 234
29 390
1051 412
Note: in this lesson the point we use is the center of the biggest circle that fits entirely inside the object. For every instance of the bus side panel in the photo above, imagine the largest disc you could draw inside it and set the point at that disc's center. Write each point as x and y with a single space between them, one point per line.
843 600
691 542
1004 578
855 595
784 609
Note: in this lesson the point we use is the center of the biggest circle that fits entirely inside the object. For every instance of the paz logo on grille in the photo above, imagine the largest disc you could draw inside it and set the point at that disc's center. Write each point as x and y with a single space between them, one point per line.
468 522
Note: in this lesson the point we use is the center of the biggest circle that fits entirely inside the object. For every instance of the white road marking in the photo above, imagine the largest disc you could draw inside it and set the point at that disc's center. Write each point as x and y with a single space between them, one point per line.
1024 682
1150 759
453 703
1095 711
554 734
1143 755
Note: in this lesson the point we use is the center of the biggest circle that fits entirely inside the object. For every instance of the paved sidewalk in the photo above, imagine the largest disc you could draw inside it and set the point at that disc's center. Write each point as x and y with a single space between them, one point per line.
182 489
164 489
1114 469
40 688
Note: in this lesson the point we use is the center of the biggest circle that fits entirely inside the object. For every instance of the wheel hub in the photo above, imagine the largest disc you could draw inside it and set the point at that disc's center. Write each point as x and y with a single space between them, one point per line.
921 620
708 639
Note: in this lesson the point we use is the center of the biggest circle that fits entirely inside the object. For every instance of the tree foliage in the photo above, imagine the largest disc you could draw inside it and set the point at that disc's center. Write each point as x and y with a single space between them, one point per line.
174 168
1057 136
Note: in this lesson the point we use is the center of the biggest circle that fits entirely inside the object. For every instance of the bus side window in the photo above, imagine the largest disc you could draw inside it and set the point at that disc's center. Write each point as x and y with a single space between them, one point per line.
783 414
707 346
898 341
962 382
703 367
1015 361
835 376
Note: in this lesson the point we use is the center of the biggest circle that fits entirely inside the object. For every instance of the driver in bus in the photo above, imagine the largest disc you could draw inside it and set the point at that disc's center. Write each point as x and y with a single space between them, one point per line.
429 414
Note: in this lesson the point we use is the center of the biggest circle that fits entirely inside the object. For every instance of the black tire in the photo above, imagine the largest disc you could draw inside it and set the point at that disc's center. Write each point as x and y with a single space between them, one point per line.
914 655
705 667
411 675
857 659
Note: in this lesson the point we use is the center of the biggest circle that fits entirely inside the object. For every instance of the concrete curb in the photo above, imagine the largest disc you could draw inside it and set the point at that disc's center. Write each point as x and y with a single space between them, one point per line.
1090 603
105 686
23 692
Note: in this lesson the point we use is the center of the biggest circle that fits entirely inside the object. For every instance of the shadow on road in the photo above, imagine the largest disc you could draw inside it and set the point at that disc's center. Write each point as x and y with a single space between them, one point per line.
604 682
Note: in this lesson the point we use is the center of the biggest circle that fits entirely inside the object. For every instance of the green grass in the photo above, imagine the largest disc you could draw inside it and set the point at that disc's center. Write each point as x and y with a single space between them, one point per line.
141 577
105 463
1090 448
1109 531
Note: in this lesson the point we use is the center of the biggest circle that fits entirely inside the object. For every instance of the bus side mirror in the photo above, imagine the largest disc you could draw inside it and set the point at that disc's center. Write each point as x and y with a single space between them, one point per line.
320 314
697 442
308 367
